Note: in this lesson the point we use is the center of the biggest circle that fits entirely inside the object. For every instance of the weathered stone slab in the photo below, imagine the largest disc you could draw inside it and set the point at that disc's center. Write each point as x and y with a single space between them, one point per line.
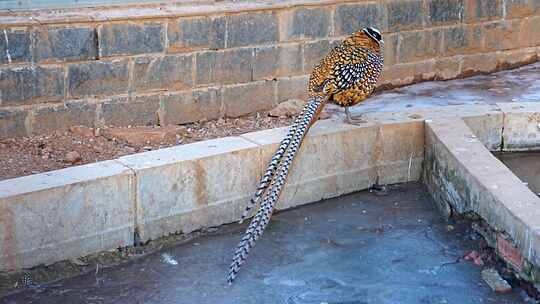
224 67
61 116
12 123
185 188
259 95
30 84
461 172
521 126
349 18
403 15
305 23
140 110
252 29
173 72
292 88
277 61
445 11
191 106
65 43
187 34
65 214
15 46
98 78
131 39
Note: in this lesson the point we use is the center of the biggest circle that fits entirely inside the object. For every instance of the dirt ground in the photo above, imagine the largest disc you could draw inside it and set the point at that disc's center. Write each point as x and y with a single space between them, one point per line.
82 145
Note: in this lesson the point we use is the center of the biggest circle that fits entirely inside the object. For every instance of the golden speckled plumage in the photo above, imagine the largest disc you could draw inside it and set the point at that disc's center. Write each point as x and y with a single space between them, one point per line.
349 73
346 76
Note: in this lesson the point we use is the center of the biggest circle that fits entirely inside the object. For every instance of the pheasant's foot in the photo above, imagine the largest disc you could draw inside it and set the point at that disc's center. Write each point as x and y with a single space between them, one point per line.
353 120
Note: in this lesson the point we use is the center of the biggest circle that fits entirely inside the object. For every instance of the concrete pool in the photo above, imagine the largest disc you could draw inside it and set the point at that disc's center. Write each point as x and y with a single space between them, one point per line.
366 247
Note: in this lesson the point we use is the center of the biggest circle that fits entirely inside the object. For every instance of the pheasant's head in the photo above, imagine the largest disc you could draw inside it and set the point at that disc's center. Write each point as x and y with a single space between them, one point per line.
374 34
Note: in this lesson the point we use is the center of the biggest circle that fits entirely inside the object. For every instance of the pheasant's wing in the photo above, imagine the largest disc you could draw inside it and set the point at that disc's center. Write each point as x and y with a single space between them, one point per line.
356 68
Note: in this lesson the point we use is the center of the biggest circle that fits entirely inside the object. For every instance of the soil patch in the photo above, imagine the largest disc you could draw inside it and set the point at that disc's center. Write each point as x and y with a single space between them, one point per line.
83 145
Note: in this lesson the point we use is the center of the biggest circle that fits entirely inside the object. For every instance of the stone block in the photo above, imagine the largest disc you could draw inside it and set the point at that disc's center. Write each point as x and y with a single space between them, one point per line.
445 11
138 110
172 72
463 39
460 171
404 15
292 88
501 35
15 46
252 29
521 126
31 84
190 106
98 78
407 73
314 52
349 18
479 63
390 48
419 45
188 187
476 10
12 123
224 67
65 43
49 118
305 23
488 127
65 214
277 61
529 33
188 34
131 39
521 8
399 151
247 98
515 58
334 159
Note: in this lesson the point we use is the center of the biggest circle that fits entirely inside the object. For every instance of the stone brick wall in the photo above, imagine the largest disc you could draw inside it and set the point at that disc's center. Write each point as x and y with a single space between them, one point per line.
174 64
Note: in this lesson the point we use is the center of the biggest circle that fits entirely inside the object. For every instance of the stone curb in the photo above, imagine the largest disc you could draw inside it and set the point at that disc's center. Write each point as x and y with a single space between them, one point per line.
102 206
461 173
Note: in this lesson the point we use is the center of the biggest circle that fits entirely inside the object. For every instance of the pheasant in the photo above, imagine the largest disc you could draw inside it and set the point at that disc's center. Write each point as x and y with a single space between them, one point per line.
346 77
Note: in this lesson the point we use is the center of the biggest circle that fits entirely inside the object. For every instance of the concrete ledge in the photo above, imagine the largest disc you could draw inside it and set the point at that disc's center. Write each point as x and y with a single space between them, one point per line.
461 172
185 188
66 213
521 126
73 212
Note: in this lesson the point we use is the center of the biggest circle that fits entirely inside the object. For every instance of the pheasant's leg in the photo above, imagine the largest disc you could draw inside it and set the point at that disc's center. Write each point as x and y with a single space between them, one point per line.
353 121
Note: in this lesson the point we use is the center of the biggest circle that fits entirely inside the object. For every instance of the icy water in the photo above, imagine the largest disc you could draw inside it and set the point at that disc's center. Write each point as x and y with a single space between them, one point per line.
389 247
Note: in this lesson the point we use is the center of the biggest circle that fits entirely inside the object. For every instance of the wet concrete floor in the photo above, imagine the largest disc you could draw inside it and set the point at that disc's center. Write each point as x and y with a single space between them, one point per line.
525 165
390 247
518 85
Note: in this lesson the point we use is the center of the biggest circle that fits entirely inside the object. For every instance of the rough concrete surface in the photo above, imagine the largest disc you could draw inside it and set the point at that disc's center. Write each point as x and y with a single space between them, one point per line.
462 173
66 213
526 165
361 248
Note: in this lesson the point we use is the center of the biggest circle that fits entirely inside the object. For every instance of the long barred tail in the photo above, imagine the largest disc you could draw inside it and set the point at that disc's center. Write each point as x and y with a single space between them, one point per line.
272 167
275 182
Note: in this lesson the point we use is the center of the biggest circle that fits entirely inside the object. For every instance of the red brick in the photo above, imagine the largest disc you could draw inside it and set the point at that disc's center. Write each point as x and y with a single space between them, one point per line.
509 253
